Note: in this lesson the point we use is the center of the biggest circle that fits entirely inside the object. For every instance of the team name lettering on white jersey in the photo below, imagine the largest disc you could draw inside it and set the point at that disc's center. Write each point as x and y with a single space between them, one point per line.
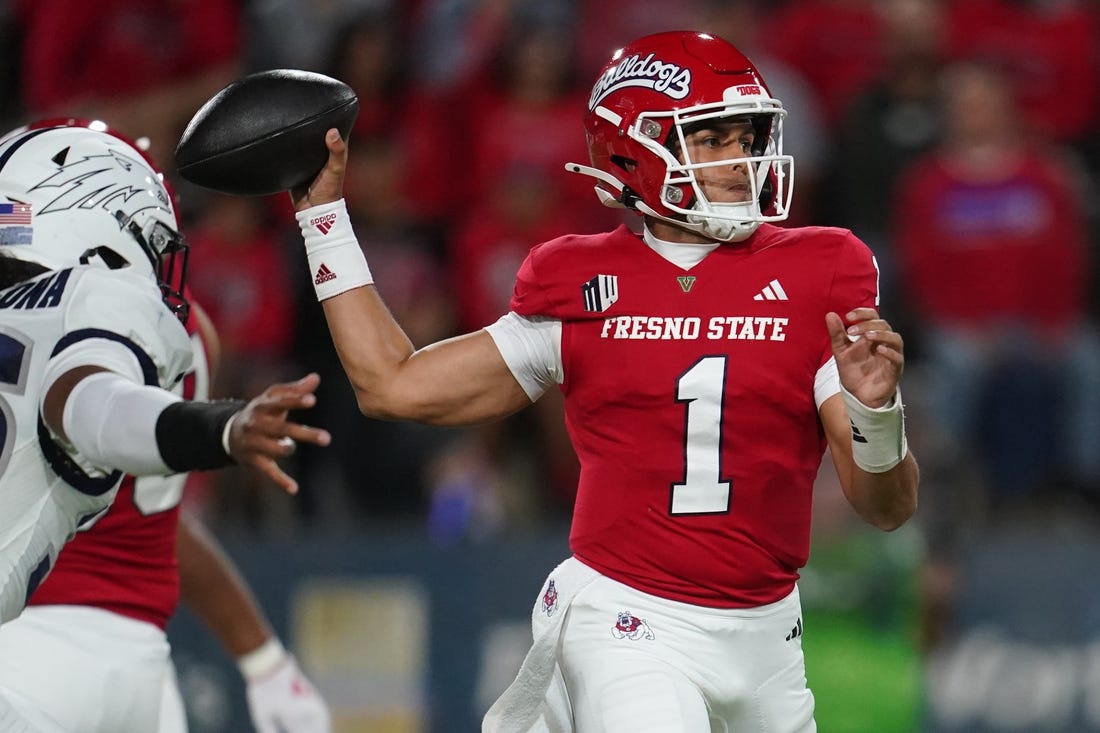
679 328
44 293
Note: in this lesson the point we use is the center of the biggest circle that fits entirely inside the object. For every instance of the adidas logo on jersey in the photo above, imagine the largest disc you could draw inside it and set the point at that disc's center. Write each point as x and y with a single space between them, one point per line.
323 274
772 291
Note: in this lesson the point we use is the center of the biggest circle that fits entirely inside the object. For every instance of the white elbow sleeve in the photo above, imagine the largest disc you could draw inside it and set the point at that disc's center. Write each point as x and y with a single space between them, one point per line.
111 421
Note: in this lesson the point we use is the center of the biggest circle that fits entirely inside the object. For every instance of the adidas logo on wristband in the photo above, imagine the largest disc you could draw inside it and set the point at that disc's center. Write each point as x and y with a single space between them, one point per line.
324 223
333 252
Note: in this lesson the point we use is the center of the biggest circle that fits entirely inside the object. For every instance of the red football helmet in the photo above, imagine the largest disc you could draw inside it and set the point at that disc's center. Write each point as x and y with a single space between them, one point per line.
640 105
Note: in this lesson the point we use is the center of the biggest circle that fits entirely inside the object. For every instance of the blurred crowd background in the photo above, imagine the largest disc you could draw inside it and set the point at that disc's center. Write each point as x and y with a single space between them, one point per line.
959 138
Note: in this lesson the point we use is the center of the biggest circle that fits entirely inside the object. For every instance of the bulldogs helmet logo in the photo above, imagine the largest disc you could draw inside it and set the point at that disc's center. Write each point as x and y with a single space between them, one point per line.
550 600
631 627
670 79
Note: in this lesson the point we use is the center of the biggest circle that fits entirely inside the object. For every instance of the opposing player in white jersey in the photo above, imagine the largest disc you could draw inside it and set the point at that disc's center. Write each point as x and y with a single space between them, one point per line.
91 343
90 649
706 363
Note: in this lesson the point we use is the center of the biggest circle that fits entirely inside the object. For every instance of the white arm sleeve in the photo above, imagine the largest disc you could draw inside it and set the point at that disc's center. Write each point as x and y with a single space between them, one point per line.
826 382
531 348
111 422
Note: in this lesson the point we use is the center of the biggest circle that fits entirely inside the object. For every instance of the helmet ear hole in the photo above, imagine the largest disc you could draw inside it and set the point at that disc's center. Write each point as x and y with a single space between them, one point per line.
108 256
627 164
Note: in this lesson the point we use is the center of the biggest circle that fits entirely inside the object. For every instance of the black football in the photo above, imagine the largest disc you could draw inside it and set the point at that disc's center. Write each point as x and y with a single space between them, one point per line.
265 132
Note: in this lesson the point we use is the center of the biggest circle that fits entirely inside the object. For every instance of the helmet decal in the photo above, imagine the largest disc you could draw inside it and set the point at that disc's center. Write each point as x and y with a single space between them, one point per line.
111 181
669 79
15 223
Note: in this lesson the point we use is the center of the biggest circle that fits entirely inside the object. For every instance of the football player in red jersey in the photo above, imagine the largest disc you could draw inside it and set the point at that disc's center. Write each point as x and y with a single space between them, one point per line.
706 364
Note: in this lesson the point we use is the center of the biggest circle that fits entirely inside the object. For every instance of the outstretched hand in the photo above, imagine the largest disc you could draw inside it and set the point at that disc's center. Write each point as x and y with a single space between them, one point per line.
869 355
261 434
328 185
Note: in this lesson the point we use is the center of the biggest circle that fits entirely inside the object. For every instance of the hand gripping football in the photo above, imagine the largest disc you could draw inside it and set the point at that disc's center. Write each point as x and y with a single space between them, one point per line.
265 132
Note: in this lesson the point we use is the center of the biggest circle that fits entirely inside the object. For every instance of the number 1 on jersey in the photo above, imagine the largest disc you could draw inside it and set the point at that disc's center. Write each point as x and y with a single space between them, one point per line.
701 388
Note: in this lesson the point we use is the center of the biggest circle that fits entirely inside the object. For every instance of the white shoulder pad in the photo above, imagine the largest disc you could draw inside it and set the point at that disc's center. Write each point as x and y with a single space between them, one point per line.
127 308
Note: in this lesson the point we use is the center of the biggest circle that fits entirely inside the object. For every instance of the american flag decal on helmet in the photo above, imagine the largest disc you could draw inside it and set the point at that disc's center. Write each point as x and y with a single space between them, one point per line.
600 293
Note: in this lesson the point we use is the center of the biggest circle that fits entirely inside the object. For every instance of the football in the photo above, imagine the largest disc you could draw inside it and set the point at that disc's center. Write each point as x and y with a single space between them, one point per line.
265 133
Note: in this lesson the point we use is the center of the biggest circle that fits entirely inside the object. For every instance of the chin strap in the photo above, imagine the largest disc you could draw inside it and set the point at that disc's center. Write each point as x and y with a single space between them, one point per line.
633 202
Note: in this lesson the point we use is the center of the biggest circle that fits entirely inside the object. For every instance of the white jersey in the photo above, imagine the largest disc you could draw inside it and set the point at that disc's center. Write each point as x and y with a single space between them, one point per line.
47 492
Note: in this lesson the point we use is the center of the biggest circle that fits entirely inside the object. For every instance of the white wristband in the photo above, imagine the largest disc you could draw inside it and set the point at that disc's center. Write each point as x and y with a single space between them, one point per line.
262 660
336 261
878 433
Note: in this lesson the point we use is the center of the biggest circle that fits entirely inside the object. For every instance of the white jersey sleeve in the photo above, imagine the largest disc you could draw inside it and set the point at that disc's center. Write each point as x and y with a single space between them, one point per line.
531 348
826 382
115 309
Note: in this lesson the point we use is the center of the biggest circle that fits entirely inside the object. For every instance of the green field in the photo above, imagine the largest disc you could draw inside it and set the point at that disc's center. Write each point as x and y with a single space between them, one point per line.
859 607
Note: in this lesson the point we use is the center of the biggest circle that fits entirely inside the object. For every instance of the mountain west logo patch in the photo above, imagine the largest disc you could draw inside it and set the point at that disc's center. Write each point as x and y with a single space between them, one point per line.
600 293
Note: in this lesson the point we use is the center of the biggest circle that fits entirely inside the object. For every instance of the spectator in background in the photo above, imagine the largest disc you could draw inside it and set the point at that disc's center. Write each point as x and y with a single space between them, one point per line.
242 277
370 54
889 124
143 67
992 243
316 26
518 193
835 44
11 50
1050 51
529 90
606 25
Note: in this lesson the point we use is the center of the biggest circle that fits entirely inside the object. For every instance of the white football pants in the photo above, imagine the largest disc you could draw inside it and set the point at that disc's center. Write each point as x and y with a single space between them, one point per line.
628 662
90 670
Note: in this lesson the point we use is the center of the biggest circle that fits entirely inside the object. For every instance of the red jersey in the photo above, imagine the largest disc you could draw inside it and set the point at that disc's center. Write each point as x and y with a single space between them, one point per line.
689 398
126 561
